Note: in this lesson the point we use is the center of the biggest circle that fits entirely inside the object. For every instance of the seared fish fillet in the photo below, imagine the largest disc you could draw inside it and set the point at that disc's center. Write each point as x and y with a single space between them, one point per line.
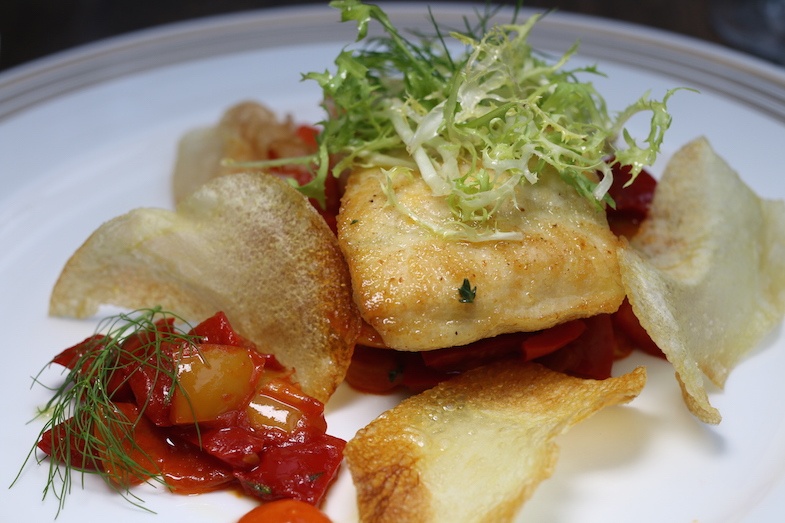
406 278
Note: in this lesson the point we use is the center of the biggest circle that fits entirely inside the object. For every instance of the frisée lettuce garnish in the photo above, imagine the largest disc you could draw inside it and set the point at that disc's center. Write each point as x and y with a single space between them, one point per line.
477 124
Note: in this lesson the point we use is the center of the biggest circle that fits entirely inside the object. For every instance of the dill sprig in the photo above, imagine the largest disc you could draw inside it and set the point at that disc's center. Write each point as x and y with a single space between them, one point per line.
86 430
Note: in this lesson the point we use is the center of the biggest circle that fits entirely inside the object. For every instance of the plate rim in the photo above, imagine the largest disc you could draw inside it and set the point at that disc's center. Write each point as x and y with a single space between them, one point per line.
768 81
748 79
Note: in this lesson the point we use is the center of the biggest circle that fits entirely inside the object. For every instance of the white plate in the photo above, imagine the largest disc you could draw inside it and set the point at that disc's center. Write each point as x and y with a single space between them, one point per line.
89 134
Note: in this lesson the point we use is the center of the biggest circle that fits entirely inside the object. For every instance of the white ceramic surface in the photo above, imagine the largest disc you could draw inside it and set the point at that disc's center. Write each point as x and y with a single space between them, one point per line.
88 134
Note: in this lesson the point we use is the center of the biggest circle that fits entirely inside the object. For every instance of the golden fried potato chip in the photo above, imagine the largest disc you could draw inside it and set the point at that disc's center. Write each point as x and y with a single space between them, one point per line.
706 273
473 448
247 244
247 131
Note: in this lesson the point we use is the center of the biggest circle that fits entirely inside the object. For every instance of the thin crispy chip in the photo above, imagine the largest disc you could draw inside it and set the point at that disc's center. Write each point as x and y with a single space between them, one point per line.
248 131
473 448
249 245
706 273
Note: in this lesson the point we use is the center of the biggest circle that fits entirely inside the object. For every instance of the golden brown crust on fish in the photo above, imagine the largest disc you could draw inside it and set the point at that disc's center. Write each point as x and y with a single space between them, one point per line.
405 278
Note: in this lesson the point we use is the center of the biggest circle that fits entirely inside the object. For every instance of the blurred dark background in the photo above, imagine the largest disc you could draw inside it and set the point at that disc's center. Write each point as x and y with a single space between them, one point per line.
30 29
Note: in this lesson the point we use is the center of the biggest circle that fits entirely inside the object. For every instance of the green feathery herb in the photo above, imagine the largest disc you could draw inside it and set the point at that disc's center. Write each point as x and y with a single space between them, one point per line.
466 292
478 117
82 412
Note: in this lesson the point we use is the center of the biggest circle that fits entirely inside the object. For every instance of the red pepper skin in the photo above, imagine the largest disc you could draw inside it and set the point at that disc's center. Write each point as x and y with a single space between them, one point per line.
459 359
632 203
217 330
301 471
550 340
374 370
219 452
635 198
152 388
71 356
417 376
237 446
184 468
309 135
590 355
59 443
380 370
142 344
85 352
627 323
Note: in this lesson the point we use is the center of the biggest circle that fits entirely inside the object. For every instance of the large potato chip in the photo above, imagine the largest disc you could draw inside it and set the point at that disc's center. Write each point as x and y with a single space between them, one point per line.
247 132
473 448
706 273
249 245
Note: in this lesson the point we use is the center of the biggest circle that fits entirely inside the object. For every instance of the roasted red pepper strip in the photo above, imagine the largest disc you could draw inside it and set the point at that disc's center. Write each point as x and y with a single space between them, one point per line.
590 355
625 320
301 471
230 446
60 443
550 340
375 370
459 359
184 468
631 202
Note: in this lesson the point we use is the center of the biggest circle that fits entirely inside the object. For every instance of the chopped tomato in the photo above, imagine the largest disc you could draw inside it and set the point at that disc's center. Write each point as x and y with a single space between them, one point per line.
285 511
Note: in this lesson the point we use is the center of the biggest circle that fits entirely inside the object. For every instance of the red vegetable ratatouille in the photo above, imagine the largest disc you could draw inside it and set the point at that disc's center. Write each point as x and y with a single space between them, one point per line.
198 410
